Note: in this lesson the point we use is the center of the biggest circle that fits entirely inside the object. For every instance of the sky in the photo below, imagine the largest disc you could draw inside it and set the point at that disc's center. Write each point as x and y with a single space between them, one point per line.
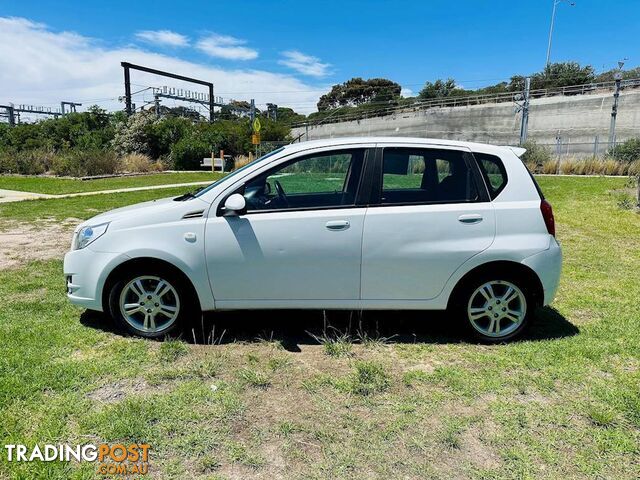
291 52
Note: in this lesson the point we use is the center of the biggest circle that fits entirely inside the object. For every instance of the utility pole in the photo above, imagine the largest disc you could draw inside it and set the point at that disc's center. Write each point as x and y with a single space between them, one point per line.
614 112
127 89
252 111
212 101
553 18
525 111
156 101
11 114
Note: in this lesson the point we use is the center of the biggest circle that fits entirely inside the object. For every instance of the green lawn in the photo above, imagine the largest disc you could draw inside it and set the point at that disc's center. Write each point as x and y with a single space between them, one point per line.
36 211
55 186
402 398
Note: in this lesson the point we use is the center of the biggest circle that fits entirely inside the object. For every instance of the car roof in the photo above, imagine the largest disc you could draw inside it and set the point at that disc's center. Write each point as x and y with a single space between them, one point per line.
329 142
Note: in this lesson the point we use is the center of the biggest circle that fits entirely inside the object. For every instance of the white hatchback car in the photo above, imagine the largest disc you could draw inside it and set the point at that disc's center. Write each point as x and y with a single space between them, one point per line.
349 223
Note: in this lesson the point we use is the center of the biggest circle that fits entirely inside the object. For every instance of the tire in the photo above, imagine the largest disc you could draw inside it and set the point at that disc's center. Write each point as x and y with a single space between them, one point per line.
152 302
493 307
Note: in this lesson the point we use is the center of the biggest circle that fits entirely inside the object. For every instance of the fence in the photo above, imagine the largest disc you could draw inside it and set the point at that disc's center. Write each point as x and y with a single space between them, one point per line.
563 147
467 101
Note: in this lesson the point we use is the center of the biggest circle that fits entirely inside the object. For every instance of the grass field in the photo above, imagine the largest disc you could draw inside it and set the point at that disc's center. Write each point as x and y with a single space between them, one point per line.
57 209
57 186
396 396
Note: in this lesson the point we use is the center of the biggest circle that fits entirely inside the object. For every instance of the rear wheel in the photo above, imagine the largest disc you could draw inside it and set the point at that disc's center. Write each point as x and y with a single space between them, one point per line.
494 308
151 303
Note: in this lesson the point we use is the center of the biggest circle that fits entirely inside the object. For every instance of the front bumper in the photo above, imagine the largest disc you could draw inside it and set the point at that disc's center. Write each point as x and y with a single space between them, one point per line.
86 272
548 265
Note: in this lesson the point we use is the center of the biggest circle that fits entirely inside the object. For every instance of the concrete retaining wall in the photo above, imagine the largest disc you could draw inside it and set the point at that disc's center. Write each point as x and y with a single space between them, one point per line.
581 122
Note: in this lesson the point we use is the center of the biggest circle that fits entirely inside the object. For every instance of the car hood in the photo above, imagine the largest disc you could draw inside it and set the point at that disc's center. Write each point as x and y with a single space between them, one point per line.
154 211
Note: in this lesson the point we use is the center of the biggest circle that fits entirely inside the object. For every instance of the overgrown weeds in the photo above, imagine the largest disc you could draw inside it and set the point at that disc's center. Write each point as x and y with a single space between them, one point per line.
339 343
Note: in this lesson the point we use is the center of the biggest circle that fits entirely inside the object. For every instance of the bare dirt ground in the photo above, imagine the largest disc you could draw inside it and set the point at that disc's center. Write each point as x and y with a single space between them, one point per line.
21 243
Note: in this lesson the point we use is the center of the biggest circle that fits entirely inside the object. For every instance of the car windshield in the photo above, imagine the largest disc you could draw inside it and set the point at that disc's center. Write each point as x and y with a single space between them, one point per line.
235 172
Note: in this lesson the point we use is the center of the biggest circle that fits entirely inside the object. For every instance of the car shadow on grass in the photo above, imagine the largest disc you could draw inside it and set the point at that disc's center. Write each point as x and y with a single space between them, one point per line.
292 328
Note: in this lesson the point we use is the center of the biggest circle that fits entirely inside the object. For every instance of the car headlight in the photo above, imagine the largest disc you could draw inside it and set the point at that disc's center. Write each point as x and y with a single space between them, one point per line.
89 234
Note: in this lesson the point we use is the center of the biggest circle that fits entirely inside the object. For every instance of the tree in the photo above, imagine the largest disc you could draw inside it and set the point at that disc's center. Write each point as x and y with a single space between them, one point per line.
165 132
555 75
358 91
440 89
234 108
134 135
608 76
288 116
181 111
501 87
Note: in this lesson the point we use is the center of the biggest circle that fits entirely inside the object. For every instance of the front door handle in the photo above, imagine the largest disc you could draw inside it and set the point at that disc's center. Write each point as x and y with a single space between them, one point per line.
338 225
470 219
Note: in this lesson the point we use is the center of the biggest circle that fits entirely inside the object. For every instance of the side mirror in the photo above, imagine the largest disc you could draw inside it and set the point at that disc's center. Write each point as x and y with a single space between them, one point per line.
234 204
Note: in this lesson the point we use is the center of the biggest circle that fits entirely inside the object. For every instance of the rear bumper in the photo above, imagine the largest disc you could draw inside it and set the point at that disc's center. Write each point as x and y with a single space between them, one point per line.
548 265
86 272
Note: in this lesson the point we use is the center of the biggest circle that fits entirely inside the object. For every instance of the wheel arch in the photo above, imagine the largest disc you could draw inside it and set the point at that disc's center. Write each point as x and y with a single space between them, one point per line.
134 264
527 274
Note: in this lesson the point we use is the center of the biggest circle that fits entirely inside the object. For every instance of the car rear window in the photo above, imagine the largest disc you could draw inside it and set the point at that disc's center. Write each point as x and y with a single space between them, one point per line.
426 175
493 172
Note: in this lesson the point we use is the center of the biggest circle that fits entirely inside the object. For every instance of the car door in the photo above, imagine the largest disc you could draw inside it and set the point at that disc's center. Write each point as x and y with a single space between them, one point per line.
430 213
299 242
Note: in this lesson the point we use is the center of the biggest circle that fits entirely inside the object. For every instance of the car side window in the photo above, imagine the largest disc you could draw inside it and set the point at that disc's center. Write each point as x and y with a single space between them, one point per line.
322 180
493 171
414 175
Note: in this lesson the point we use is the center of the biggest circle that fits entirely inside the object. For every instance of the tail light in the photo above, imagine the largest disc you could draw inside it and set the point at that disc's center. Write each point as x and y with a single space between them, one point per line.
547 215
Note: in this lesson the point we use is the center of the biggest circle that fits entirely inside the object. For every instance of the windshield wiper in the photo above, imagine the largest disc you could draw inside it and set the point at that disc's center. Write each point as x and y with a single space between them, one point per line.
188 195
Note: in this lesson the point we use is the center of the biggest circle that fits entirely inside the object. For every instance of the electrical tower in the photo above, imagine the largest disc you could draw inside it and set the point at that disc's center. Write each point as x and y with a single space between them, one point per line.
72 107
127 85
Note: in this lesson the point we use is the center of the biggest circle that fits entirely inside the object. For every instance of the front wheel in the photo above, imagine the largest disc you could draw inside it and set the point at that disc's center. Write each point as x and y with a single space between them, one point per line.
494 310
150 304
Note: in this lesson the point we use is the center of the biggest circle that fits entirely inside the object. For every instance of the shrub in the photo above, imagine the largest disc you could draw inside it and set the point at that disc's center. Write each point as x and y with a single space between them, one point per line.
188 152
163 133
572 166
240 161
626 151
535 156
549 166
138 162
26 162
79 163
134 134
8 162
610 166
165 162
591 166
66 163
100 162
633 169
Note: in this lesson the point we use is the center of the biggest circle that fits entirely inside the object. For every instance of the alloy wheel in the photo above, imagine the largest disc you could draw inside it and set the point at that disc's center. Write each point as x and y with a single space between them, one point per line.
149 304
497 308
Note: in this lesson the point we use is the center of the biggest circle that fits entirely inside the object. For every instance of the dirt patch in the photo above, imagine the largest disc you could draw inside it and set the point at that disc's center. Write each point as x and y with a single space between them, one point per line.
115 392
23 243
477 451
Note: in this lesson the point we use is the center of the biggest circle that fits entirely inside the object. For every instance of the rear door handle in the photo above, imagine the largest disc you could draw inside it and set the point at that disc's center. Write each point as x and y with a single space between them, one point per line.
338 224
470 218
